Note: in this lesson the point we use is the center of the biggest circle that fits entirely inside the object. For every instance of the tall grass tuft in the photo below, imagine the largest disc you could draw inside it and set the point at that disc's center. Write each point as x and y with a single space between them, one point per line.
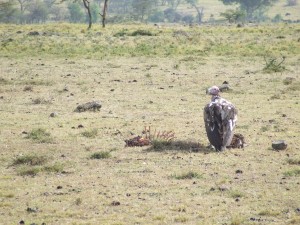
90 133
40 135
188 175
100 155
31 160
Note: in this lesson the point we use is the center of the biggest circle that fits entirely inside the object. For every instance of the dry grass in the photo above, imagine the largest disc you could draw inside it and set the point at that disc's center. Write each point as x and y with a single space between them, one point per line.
137 185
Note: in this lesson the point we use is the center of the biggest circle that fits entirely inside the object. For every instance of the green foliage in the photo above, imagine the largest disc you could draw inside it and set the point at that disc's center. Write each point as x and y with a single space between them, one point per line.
188 175
251 6
101 155
40 135
233 16
31 160
95 10
292 173
273 65
38 12
28 171
76 13
157 16
90 133
277 18
159 145
141 32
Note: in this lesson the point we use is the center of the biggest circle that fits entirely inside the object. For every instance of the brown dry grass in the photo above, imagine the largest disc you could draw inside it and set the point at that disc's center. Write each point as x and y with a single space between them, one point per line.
139 185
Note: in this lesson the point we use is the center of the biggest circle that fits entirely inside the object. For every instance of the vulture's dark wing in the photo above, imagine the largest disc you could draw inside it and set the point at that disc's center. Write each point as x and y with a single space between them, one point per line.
213 126
220 117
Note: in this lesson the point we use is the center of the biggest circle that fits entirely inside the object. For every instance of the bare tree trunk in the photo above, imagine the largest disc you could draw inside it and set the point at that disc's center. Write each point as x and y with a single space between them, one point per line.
104 12
86 4
199 12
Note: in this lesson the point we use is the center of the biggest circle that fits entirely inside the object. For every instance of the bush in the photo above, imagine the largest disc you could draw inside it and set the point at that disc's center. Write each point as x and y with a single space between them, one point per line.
100 155
90 133
40 135
188 175
156 17
142 33
31 160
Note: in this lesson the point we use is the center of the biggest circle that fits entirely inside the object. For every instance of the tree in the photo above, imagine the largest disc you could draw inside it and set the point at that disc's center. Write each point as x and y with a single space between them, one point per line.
76 13
104 12
38 12
233 16
7 11
86 4
250 6
199 10
141 8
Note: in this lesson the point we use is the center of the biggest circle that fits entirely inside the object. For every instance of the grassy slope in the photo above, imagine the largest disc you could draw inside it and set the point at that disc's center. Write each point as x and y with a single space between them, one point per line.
168 95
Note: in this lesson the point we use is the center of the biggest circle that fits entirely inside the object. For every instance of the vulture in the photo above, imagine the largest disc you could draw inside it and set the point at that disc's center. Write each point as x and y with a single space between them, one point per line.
220 118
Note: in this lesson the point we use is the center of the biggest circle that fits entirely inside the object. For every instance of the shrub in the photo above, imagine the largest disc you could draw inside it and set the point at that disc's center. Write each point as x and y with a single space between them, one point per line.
40 135
101 155
292 173
188 175
140 32
90 133
31 160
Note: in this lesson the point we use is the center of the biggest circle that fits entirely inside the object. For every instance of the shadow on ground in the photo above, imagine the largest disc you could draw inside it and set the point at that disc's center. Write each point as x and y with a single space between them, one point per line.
189 146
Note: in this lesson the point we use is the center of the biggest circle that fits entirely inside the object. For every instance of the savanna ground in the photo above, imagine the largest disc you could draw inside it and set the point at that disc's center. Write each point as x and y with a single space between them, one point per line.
54 171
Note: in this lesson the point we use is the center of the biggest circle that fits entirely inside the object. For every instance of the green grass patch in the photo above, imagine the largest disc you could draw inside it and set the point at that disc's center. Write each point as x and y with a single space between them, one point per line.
28 171
100 155
268 213
160 145
292 173
31 160
188 175
236 194
90 133
40 135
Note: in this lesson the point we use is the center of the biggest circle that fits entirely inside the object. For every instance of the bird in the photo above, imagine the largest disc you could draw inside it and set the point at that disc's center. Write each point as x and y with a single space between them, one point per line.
220 117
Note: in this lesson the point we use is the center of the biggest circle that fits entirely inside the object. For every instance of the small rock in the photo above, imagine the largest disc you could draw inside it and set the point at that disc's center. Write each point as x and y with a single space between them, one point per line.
53 114
32 210
59 187
223 188
80 126
22 222
238 171
115 203
279 145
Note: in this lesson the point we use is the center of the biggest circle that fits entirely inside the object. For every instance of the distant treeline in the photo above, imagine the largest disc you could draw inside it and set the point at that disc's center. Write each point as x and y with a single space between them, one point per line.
74 11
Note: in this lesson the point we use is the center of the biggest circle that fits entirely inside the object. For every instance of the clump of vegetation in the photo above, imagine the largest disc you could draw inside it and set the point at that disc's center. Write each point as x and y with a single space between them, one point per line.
159 145
90 133
273 65
29 171
292 173
121 33
40 135
31 160
293 161
55 168
236 194
4 81
188 175
100 155
140 32
268 213
40 100
28 88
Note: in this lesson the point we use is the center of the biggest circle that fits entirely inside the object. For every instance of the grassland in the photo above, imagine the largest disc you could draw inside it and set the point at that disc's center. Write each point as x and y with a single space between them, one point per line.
74 168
